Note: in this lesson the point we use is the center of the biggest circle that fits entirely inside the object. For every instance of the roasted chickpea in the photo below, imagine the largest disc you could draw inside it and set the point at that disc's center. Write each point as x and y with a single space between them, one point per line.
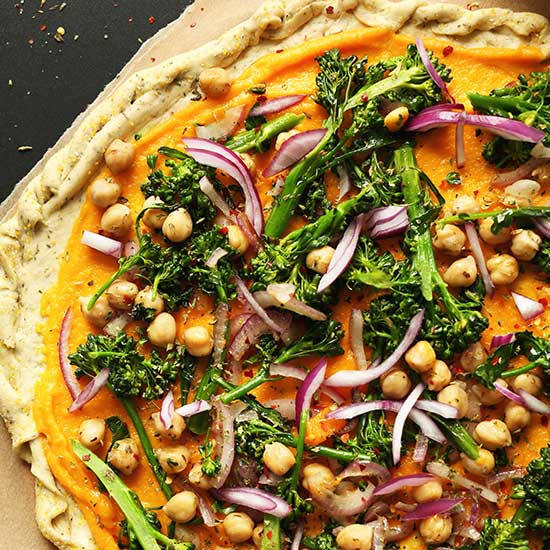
483 465
175 429
214 82
116 220
455 396
521 193
355 537
438 376
529 382
319 259
104 192
177 226
525 244
449 239
147 300
237 239
436 529
124 456
317 478
474 356
503 268
153 217
91 433
396 119
197 341
101 312
487 396
119 156
542 173
395 384
238 526
465 204
173 460
516 417
461 273
121 295
198 478
421 356
278 458
257 535
431 490
284 136
493 434
182 507
502 237
162 330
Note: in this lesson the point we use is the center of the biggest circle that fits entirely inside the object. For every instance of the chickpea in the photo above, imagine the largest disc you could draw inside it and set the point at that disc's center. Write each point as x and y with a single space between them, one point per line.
101 312
257 535
438 376
521 193
431 490
421 356
104 192
516 417
124 456
173 460
465 204
198 478
542 173
449 239
529 382
153 217
483 465
177 226
317 478
162 330
455 396
396 384
355 537
214 82
121 295
146 299
319 259
91 433
278 458
175 429
198 341
396 119
525 244
461 273
116 220
238 526
487 396
284 136
503 268
493 434
502 237
119 156
436 529
474 356
237 239
182 507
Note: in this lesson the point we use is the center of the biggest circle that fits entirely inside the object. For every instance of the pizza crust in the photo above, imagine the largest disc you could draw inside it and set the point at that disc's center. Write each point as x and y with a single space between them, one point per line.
34 232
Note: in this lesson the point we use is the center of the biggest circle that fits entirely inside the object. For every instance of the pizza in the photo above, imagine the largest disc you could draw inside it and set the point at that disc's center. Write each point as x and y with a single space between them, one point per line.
293 291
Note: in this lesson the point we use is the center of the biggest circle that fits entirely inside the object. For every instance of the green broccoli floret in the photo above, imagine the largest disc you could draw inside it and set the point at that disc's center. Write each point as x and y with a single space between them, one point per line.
542 258
500 534
325 540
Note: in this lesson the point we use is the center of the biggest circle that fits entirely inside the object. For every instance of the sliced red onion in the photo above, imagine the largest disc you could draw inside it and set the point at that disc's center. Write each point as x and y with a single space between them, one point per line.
400 419
311 384
103 244
433 508
224 127
343 254
91 390
297 539
130 248
116 324
294 149
502 340
441 409
221 316
282 295
205 511
504 475
245 226
428 426
459 141
397 483
534 403
225 439
421 449
63 352
507 178
356 323
213 154
397 226
509 394
426 120
357 409
350 379
167 410
378 535
528 309
506 128
442 470
364 468
268 477
347 504
398 532
425 57
215 198
382 215
255 499
344 181
276 105
475 245
285 407
217 255
469 532
543 226
193 408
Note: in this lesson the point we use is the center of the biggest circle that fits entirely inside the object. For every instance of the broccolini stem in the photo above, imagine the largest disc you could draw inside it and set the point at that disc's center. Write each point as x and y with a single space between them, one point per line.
521 370
459 436
261 377
271 538
300 445
487 103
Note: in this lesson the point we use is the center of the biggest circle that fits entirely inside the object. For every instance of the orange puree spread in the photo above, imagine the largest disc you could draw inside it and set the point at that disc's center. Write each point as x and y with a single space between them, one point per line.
83 270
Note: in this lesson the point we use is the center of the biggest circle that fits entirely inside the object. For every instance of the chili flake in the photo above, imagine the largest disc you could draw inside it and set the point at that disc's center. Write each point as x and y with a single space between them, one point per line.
447 50
151 20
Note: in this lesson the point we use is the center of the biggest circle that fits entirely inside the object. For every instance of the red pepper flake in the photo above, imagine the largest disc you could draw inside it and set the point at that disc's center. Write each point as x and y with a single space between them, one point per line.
223 230
269 535
364 98
279 51
30 41
473 6
459 370
330 10
516 326
43 28
153 59
86 458
261 99
248 373
447 50
543 302
510 84
151 20
544 420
